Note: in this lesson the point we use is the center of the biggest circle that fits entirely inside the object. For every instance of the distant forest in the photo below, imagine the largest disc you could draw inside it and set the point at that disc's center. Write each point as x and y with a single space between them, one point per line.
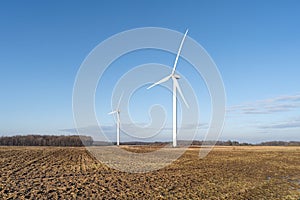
46 140
219 143
270 143
77 141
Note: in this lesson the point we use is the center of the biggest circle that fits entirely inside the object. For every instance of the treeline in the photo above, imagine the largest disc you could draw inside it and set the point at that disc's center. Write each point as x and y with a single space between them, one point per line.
46 140
280 143
77 141
219 143
222 143
236 143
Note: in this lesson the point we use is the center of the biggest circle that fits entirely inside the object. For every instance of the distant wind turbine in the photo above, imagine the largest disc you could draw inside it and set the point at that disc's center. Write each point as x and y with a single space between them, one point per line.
175 88
117 112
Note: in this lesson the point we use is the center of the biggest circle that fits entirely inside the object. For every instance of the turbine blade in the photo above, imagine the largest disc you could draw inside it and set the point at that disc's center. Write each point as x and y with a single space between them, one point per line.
113 112
179 51
179 90
159 82
120 101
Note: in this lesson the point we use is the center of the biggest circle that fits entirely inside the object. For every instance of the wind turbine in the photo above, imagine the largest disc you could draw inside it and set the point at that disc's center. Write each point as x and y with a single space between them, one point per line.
117 112
176 87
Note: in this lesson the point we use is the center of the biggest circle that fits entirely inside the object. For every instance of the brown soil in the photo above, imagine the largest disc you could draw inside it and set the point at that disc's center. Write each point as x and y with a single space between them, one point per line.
226 173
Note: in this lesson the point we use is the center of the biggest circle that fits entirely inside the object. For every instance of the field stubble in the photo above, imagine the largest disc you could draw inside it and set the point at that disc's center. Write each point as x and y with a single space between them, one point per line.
226 173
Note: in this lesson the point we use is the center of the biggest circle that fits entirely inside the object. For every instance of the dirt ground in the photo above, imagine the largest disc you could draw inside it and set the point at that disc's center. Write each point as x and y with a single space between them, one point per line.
226 173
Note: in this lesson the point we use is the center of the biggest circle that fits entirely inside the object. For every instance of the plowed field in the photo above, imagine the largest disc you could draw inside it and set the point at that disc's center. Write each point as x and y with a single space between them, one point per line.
226 173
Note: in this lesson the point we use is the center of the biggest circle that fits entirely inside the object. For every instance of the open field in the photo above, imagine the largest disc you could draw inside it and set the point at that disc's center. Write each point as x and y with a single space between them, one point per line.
226 173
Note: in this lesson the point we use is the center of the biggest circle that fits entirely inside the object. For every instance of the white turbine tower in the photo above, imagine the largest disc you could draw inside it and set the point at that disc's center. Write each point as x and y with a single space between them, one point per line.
175 88
117 112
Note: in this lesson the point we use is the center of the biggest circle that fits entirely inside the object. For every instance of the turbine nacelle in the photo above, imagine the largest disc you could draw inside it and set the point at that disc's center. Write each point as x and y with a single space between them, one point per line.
113 112
176 76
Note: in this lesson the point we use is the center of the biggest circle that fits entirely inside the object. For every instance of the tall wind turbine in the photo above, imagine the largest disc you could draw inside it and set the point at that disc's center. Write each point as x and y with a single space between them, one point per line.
176 87
117 112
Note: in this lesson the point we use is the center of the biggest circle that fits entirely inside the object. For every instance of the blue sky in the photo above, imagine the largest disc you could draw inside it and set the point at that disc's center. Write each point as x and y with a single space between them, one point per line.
255 44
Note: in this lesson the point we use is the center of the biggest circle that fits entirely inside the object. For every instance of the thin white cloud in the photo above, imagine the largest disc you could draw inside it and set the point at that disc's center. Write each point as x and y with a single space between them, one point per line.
267 106
111 128
283 125
108 132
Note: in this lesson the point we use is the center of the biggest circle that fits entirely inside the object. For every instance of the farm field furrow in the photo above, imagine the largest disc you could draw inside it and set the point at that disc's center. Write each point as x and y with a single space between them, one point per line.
226 173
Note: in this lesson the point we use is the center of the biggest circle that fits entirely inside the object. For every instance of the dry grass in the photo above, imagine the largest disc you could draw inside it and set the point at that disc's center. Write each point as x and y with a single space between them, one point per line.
226 173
